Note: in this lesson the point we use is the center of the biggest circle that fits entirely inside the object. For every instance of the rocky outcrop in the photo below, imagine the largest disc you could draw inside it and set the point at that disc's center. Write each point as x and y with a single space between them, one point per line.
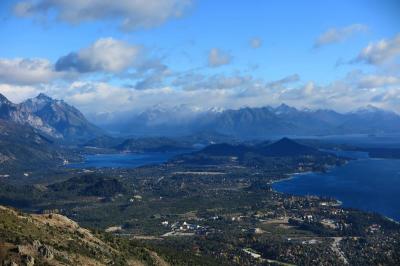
28 260
57 240
44 251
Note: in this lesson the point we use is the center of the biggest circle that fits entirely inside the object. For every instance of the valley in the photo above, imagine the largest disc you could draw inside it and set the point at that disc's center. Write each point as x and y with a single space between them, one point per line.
214 206
203 199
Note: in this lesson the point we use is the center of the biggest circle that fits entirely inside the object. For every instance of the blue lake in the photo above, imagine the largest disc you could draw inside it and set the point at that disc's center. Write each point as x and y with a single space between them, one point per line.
366 184
124 160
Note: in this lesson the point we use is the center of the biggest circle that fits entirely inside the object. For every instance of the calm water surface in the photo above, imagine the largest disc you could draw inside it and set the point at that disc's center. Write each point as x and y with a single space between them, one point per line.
124 160
367 184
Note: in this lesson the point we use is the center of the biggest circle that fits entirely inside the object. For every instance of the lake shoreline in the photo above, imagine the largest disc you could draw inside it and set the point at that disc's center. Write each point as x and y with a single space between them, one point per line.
357 184
122 160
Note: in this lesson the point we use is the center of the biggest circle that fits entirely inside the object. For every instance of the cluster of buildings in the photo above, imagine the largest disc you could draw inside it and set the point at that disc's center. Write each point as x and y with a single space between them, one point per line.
186 229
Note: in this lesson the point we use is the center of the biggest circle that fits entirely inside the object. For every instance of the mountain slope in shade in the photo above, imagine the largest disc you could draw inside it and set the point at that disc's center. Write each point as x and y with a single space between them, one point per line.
22 147
51 117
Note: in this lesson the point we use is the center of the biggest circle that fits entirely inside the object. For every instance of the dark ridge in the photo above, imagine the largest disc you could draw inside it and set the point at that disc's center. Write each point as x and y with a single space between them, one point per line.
89 185
287 147
281 148
225 149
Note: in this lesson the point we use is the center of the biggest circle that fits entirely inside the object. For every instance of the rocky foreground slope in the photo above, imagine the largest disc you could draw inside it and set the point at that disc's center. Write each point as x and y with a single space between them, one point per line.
53 239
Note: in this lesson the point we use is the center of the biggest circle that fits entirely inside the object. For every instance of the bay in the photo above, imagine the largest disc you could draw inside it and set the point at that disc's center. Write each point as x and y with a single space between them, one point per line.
366 184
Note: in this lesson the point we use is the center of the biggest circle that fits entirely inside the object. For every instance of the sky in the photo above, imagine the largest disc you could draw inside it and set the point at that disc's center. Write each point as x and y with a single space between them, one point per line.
127 56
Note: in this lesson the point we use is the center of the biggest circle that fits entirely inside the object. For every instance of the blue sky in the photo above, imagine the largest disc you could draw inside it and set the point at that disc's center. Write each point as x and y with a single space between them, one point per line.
203 54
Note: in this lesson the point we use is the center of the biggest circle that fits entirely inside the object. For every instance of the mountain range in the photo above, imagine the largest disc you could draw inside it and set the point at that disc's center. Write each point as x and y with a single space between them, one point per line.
260 122
64 123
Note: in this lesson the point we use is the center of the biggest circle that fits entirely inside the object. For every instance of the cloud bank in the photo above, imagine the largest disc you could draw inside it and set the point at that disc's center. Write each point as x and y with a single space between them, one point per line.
95 98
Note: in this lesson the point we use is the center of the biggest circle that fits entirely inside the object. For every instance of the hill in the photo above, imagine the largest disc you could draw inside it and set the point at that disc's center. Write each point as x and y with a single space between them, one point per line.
284 147
225 149
287 147
53 239
89 185
147 143
105 142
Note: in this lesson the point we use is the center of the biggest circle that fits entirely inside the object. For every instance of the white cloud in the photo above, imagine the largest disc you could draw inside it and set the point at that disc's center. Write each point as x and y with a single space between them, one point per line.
24 71
131 14
106 54
380 52
309 88
217 57
376 81
256 42
335 35
95 98
17 93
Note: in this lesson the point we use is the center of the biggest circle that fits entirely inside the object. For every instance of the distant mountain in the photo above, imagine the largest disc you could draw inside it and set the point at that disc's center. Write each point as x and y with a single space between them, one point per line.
53 118
262 122
371 120
253 122
161 121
